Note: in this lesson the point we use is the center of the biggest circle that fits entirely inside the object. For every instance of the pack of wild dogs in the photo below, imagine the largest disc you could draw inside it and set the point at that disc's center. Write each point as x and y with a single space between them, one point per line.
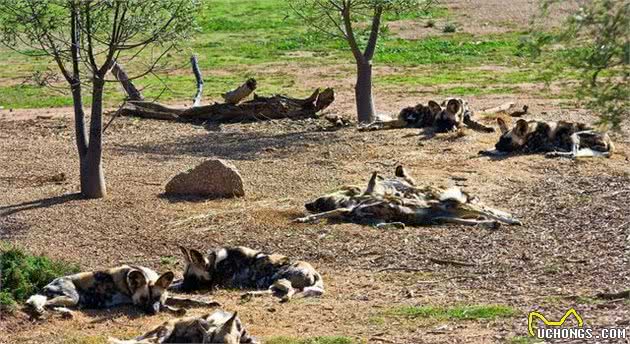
385 201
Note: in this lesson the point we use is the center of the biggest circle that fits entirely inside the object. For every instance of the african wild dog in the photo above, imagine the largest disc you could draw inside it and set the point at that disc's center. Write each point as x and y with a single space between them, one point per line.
216 327
122 285
244 268
452 114
398 201
557 139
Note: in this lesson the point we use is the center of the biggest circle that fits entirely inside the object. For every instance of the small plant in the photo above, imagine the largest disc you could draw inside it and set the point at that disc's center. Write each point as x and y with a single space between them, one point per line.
429 23
449 28
457 312
168 261
23 274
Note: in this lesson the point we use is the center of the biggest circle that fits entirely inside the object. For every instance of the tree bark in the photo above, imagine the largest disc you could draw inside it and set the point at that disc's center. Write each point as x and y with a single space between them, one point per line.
198 78
363 92
92 176
123 78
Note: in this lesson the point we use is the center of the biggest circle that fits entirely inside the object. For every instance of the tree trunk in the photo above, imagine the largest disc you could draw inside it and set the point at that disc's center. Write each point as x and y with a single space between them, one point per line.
92 177
363 92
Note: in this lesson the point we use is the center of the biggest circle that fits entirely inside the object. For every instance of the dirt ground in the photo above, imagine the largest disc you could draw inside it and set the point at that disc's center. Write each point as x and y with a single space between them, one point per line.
574 242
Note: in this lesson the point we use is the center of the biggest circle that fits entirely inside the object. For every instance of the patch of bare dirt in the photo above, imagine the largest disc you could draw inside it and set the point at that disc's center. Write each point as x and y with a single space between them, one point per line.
573 241
483 18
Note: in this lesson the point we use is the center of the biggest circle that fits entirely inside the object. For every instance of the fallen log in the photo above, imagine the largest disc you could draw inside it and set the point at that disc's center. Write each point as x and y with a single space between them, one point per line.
122 77
235 96
260 108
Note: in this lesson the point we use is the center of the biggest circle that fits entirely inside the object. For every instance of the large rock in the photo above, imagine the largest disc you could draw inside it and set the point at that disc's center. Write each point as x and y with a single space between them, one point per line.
213 178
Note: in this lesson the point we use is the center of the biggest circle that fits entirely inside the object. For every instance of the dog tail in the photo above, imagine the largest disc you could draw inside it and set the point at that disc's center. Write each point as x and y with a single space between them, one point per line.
37 302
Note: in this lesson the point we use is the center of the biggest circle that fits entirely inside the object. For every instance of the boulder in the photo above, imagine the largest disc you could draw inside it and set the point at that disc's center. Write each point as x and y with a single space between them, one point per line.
213 178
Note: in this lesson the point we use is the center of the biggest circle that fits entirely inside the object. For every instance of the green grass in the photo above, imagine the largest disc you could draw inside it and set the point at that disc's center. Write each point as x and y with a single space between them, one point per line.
475 312
238 39
23 274
315 340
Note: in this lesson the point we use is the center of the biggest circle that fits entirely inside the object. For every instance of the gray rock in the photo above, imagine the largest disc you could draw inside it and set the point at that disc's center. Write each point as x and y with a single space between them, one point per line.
213 178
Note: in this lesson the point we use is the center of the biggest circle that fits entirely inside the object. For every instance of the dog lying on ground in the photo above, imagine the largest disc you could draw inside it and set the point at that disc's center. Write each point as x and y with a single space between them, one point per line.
217 327
556 139
136 285
244 268
452 114
398 201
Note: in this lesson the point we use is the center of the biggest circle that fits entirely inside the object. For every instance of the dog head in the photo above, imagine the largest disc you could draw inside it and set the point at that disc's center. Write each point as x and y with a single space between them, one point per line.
223 327
148 291
198 270
335 200
451 114
512 140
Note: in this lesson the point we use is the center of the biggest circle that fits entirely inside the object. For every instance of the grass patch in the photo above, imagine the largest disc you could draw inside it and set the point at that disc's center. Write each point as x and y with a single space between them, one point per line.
23 274
315 340
476 312
257 38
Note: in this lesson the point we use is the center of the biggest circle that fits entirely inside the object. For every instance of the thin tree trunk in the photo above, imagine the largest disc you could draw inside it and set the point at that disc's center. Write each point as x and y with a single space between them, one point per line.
92 176
363 92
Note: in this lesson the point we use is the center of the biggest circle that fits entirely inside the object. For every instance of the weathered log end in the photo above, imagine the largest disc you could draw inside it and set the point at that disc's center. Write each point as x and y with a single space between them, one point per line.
236 96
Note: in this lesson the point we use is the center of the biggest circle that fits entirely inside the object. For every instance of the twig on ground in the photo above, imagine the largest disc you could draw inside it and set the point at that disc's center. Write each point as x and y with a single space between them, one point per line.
450 262
614 296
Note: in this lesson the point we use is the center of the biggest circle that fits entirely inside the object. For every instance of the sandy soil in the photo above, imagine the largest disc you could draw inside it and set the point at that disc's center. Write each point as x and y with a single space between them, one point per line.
573 242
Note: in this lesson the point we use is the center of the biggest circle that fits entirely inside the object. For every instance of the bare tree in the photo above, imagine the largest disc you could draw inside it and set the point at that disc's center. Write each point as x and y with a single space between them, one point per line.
85 38
338 18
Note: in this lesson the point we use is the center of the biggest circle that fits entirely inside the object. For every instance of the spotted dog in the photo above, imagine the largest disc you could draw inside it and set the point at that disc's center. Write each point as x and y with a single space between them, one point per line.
245 268
556 139
134 285
452 114
399 201
217 327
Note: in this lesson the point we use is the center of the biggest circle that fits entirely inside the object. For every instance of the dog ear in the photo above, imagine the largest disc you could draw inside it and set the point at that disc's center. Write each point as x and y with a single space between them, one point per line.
229 326
185 253
453 106
502 126
521 127
434 107
165 280
371 184
197 258
203 325
136 280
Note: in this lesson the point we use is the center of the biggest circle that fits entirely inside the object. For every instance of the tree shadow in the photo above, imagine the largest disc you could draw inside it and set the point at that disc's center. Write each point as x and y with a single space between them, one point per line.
40 203
230 146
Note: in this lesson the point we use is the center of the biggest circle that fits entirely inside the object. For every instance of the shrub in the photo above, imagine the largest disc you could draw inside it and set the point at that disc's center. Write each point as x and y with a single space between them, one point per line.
449 28
23 274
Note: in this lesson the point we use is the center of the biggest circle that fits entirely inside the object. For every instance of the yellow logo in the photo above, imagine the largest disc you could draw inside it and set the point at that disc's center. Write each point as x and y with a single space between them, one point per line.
530 320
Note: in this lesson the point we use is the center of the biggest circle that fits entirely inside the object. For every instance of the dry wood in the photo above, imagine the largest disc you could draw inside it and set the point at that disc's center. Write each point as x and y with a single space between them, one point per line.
501 108
613 296
198 78
237 95
123 78
450 262
260 108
